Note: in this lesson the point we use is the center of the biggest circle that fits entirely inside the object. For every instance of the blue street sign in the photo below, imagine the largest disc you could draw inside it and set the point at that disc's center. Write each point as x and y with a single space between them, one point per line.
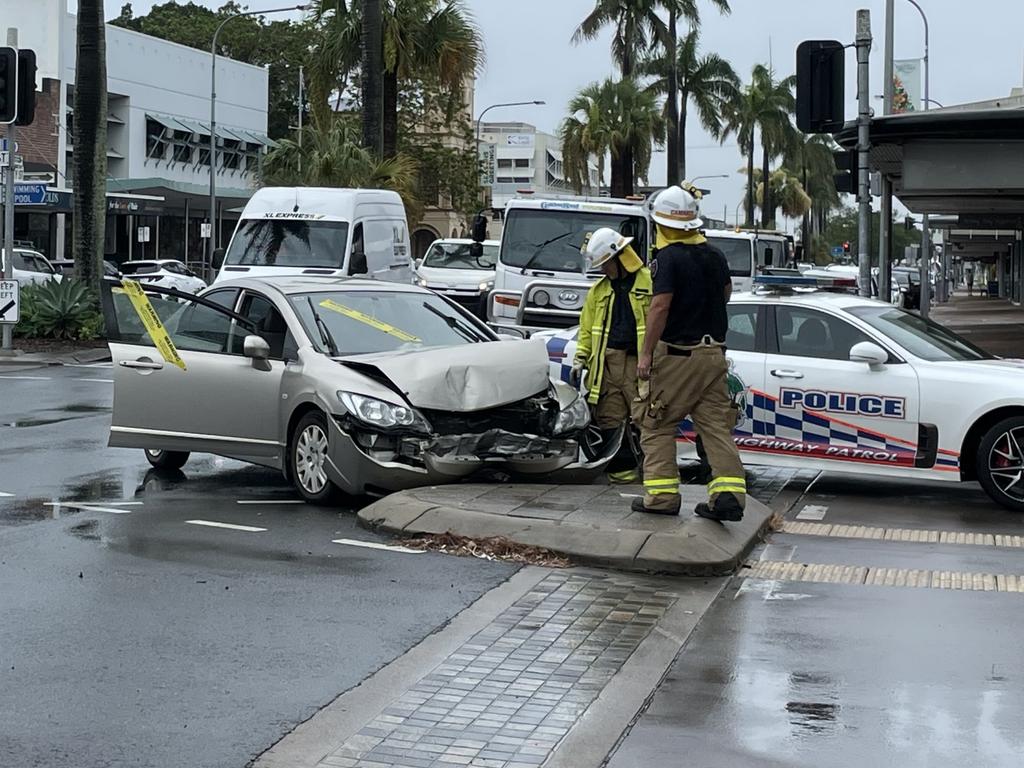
837 250
29 194
5 146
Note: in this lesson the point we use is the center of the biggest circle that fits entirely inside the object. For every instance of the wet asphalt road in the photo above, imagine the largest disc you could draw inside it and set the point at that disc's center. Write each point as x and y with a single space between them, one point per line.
133 637
784 672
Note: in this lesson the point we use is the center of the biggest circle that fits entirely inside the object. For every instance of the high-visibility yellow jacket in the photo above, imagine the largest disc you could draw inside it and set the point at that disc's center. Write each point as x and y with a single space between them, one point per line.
596 321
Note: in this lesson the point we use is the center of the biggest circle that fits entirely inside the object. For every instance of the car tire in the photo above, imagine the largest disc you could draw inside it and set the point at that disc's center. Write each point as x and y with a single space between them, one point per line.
307 460
166 459
1000 463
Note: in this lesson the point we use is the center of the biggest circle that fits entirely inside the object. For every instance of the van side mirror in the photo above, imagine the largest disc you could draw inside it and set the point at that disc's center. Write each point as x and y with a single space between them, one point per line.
218 258
479 231
357 264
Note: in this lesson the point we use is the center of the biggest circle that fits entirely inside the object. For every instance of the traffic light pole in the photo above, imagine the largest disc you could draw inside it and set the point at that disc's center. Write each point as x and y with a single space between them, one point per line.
863 148
7 346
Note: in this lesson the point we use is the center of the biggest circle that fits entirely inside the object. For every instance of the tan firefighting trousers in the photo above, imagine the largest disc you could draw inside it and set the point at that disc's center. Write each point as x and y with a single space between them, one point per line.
618 394
693 385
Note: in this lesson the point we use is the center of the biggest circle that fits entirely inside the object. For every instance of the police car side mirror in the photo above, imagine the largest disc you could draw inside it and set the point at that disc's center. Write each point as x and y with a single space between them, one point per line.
869 353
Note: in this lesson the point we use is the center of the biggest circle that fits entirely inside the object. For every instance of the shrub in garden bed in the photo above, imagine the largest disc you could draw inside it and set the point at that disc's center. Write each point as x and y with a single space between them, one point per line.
66 311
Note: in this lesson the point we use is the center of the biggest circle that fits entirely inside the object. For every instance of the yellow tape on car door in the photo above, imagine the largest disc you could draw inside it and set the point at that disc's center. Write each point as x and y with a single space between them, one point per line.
151 322
373 322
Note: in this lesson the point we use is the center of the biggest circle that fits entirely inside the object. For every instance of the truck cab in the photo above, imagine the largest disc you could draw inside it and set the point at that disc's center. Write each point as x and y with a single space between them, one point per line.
540 279
749 252
320 231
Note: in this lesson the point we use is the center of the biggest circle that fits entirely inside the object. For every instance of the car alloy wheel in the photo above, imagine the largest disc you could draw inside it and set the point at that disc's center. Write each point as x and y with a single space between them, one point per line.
1006 463
311 459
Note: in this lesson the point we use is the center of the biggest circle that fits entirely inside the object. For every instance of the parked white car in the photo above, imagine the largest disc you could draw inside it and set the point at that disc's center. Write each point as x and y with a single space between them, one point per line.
167 273
30 266
449 268
841 383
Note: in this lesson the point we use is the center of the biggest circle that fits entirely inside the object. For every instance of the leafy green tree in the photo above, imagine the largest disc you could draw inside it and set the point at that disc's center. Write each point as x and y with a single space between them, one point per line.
282 45
842 228
810 158
586 134
708 82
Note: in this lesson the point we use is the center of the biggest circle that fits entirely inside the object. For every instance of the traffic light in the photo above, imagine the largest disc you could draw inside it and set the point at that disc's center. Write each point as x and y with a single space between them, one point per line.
8 84
846 171
26 87
820 80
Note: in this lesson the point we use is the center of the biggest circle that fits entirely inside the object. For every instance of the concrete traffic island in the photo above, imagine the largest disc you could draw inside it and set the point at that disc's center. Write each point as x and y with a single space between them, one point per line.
590 524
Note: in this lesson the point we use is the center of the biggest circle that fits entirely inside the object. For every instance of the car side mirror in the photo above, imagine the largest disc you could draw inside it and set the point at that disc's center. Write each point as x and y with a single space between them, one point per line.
869 353
479 229
256 348
417 263
218 258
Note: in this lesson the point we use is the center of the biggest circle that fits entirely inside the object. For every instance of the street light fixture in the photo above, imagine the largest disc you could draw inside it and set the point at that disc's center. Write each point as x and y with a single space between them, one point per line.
695 179
480 119
213 114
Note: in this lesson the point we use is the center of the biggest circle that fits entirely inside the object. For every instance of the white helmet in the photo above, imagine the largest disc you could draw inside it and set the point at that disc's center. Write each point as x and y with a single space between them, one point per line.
678 207
603 245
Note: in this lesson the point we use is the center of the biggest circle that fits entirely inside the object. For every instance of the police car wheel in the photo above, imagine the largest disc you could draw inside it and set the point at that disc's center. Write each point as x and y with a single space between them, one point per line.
166 459
1000 463
307 460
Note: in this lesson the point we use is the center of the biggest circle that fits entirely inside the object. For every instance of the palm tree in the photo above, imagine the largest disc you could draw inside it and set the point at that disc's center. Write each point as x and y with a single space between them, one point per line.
785 191
618 117
764 106
811 159
373 71
330 156
90 158
421 40
709 82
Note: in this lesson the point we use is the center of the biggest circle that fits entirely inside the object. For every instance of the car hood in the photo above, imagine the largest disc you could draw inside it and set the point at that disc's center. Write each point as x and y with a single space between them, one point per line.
455 277
973 370
466 378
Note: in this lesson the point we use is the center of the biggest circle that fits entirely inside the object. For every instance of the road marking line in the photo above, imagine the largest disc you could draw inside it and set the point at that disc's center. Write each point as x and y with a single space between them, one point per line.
6 495
89 507
822 573
89 503
269 501
812 512
908 535
229 526
99 381
27 378
375 545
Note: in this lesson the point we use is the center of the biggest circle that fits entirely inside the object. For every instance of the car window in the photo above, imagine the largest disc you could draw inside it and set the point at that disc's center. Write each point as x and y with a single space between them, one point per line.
457 256
140 268
267 322
742 333
921 337
806 332
200 328
175 268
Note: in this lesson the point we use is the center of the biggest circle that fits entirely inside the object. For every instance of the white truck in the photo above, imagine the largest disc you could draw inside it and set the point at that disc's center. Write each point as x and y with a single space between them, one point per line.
320 231
750 251
540 280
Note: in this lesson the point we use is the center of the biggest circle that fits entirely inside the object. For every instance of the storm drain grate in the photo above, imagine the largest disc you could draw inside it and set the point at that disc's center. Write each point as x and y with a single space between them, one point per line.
515 689
885 577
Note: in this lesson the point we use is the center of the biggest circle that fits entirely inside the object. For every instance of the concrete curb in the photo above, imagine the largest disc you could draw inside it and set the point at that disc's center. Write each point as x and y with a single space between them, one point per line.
592 525
80 357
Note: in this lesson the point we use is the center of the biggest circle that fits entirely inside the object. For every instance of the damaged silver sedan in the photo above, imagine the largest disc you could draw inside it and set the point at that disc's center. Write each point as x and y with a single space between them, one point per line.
352 385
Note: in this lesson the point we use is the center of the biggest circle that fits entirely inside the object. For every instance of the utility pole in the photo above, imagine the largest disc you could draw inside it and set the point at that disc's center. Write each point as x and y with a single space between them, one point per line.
885 228
7 341
926 235
863 43
302 104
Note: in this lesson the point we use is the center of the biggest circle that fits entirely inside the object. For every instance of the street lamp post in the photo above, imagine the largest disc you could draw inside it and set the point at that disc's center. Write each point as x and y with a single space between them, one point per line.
213 116
480 119
926 235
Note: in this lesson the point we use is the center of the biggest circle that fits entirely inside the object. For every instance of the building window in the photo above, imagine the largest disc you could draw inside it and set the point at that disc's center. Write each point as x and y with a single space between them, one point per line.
156 140
230 154
522 162
524 179
506 180
504 163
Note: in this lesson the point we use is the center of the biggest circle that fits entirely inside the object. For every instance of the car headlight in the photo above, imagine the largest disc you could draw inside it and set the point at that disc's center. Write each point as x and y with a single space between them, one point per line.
486 285
421 282
573 418
379 413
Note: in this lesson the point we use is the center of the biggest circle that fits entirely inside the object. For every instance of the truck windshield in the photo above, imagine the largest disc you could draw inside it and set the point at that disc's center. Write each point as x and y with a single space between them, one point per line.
739 252
550 240
286 243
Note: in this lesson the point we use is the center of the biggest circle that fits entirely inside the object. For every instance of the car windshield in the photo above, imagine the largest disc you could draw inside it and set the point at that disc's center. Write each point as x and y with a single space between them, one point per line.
921 337
364 322
140 268
551 239
456 256
30 262
738 252
288 243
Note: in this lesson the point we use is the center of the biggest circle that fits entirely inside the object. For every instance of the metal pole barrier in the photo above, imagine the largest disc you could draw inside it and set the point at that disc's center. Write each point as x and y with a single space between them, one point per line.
863 148
885 218
8 329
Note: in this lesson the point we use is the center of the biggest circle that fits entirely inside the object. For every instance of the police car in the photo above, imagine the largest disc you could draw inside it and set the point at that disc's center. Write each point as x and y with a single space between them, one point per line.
832 381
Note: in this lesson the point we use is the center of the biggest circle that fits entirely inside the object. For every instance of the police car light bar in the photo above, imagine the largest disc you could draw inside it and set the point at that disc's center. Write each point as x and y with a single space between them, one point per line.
786 281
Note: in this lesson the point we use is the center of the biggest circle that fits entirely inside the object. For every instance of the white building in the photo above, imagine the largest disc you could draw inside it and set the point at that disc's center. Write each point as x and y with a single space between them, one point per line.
158 136
525 159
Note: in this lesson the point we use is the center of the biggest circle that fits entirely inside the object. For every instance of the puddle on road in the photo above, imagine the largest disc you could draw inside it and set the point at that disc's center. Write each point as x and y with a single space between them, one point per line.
88 531
77 411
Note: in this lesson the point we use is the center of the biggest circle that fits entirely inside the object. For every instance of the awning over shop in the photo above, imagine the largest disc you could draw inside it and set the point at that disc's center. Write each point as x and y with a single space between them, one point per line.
176 193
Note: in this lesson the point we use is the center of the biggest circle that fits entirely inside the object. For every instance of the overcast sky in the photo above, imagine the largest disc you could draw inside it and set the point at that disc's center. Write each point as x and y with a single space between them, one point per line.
976 54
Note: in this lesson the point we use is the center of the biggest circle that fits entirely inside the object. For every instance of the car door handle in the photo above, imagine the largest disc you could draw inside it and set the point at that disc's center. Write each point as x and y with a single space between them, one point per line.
782 373
144 365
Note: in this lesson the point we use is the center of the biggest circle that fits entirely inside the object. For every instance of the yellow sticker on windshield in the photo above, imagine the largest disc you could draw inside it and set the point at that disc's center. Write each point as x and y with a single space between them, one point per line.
151 322
373 322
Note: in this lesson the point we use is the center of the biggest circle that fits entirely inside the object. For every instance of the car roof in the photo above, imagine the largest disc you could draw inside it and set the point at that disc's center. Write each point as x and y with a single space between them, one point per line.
153 261
291 285
809 298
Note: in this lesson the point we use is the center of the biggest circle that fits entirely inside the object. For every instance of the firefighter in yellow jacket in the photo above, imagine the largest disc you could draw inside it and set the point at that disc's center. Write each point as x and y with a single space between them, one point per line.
611 334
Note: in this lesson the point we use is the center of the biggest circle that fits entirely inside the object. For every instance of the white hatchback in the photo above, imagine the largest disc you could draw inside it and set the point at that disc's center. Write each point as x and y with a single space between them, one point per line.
167 273
840 383
30 266
449 268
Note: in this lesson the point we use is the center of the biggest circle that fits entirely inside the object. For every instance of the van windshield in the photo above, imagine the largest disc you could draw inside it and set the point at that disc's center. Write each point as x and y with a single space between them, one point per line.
738 252
551 239
287 243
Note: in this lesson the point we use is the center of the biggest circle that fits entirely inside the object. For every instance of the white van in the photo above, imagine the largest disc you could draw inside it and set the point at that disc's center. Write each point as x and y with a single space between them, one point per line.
320 231
749 252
